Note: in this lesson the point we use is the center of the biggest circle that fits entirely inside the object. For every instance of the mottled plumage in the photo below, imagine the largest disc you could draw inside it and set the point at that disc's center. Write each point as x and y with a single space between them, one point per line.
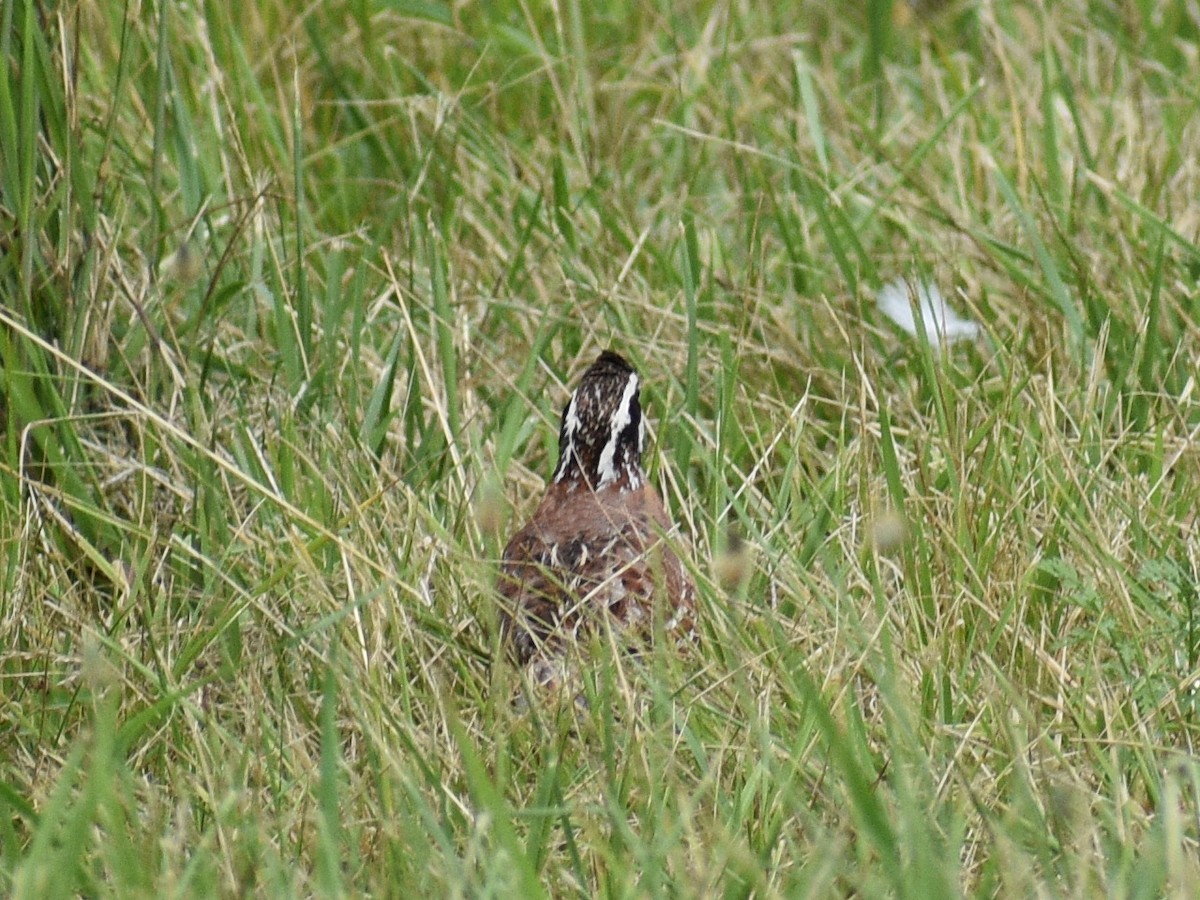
594 550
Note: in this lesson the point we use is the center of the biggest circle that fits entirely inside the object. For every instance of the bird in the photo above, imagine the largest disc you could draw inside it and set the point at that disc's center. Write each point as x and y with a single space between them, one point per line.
594 554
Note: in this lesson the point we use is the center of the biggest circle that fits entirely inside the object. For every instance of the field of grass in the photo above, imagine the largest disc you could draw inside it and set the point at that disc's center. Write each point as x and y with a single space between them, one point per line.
292 296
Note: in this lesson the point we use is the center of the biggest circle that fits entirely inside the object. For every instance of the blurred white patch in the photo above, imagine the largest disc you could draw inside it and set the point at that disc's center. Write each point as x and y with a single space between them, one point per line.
942 324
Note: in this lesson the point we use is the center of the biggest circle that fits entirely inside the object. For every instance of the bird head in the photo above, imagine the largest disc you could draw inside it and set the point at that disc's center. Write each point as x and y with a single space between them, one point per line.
602 433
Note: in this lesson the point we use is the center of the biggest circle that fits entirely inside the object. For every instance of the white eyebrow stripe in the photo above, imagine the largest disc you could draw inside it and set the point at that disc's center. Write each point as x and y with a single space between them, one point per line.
571 427
621 418
572 417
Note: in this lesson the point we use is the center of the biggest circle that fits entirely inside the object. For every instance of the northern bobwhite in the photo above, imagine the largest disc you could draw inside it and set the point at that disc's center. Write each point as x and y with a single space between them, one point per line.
595 550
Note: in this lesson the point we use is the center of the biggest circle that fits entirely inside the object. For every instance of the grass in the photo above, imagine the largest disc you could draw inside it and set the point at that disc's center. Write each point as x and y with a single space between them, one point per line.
292 299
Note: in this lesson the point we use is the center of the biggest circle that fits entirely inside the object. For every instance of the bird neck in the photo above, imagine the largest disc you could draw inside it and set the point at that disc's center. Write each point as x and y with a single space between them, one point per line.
616 464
